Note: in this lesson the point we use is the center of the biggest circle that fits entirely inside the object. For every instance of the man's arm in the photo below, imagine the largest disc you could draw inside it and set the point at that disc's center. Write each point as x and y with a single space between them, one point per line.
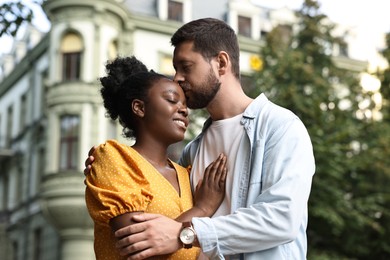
153 235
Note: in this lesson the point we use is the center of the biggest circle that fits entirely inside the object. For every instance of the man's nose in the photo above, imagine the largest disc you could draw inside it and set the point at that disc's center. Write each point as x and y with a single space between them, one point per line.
178 78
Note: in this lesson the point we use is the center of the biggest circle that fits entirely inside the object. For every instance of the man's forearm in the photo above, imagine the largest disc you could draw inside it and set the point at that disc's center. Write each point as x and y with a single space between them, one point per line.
152 235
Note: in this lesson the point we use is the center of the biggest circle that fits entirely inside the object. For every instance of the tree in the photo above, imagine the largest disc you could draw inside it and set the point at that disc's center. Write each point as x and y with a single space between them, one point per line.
299 73
384 77
379 151
13 14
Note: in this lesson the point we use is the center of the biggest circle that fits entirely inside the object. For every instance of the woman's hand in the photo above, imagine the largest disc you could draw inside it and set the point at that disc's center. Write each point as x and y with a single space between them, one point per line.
88 162
210 191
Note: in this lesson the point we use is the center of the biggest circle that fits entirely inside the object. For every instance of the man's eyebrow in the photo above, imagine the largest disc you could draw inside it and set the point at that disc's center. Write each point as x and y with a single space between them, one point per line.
182 60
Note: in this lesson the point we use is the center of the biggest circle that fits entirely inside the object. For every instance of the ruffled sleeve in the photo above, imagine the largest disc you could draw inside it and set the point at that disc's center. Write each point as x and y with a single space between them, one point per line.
115 184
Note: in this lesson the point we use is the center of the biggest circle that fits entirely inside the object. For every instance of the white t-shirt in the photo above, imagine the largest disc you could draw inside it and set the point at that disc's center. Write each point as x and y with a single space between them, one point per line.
223 136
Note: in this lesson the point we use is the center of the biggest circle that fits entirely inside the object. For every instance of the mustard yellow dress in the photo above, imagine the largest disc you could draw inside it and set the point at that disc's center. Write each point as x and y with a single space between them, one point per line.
122 181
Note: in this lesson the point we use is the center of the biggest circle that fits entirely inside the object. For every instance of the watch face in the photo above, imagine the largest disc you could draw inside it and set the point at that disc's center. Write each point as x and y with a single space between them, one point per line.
187 236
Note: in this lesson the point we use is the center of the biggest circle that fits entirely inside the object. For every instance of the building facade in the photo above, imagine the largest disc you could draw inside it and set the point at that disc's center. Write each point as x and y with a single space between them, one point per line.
51 111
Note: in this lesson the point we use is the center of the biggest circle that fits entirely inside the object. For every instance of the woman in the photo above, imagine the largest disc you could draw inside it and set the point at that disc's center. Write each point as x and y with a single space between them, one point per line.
125 180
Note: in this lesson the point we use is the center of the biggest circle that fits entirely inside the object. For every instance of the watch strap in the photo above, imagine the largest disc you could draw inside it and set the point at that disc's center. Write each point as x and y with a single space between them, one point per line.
188 225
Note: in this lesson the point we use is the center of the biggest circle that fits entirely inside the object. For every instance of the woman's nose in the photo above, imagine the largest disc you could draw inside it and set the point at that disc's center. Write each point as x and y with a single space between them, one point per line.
183 110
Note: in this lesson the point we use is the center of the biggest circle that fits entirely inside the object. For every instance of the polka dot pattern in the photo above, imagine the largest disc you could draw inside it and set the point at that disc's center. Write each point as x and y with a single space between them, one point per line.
122 181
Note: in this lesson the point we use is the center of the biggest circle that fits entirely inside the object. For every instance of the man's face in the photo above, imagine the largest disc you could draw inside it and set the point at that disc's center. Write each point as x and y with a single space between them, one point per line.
195 75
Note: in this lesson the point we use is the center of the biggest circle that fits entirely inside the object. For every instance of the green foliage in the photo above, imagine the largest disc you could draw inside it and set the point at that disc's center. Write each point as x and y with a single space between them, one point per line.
384 76
12 15
349 204
197 118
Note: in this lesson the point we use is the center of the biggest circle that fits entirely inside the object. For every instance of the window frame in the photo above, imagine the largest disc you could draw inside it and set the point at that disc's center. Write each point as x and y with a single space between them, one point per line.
69 142
71 54
71 66
244 25
175 14
163 10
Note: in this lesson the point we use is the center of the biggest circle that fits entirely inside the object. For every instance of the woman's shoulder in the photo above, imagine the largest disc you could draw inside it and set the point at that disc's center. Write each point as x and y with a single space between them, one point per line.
111 146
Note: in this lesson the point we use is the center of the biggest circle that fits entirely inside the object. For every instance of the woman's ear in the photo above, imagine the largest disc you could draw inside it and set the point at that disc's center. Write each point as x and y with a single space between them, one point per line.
138 107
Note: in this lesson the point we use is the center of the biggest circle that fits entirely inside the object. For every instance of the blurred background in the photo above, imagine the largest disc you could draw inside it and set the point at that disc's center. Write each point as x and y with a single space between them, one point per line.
327 61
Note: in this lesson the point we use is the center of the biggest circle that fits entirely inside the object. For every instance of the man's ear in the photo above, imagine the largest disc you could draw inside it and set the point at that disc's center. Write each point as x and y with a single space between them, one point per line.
138 107
223 61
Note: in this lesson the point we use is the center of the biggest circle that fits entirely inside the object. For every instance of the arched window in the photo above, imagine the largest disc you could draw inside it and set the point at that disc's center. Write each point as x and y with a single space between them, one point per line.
71 49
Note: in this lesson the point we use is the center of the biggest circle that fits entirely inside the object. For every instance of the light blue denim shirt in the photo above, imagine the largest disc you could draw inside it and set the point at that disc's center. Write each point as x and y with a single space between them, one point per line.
271 187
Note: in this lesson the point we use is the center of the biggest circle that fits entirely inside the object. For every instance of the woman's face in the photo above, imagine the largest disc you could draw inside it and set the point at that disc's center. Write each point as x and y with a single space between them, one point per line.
166 113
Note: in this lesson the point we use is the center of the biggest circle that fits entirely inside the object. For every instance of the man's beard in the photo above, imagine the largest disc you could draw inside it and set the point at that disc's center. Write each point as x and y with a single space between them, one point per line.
203 93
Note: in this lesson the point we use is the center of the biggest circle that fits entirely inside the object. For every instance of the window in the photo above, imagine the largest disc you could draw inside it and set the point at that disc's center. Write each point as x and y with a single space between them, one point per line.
71 48
244 26
71 66
15 247
23 111
40 167
69 139
175 11
344 50
8 133
19 185
343 47
5 191
44 76
37 244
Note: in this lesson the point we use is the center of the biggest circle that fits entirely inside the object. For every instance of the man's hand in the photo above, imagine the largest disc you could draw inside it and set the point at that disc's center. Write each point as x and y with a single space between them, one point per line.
89 160
153 235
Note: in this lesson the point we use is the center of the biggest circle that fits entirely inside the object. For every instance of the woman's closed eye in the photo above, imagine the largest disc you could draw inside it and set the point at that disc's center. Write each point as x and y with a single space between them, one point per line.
173 101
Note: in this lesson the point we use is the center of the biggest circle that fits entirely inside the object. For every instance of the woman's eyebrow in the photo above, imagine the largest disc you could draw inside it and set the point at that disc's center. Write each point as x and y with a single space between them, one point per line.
171 91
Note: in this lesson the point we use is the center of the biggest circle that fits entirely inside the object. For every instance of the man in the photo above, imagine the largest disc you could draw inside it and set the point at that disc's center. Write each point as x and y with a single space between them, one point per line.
269 153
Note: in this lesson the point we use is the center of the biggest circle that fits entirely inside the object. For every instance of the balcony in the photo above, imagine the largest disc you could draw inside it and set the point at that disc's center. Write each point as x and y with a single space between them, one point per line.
63 204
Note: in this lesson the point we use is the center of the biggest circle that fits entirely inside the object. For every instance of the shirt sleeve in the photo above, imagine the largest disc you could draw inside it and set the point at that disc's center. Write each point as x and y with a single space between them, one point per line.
116 184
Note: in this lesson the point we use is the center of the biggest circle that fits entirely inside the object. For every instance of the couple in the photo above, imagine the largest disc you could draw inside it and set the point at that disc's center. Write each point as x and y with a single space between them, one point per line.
269 158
